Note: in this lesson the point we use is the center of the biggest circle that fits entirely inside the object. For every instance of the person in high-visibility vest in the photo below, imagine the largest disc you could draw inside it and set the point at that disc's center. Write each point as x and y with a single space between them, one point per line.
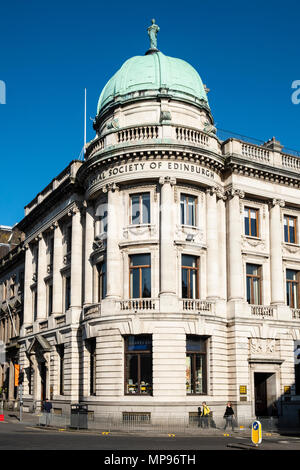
205 414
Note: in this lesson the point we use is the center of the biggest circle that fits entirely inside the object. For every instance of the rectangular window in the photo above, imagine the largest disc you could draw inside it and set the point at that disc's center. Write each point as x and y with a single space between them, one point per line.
196 370
140 208
49 298
101 281
251 221
67 292
34 303
138 365
101 218
140 276
188 209
190 277
68 239
290 229
253 279
292 288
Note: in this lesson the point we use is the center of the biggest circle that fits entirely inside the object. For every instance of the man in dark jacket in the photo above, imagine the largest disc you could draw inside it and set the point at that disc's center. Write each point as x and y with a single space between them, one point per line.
228 415
47 407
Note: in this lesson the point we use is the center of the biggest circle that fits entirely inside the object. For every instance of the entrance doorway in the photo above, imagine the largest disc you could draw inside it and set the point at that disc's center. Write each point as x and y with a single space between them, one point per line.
43 371
265 392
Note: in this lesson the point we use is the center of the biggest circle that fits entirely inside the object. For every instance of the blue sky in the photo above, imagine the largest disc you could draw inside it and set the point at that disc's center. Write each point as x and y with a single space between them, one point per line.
247 53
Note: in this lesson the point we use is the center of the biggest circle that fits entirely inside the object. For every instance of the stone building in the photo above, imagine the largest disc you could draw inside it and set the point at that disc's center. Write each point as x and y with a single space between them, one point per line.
11 310
163 270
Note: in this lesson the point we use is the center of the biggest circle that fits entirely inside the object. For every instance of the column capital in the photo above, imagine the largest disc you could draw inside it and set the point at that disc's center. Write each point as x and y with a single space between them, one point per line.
220 194
74 210
232 192
54 225
110 187
279 202
167 180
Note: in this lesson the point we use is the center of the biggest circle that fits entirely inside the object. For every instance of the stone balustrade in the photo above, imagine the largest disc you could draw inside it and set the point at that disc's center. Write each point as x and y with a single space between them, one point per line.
255 152
139 304
138 133
296 313
194 305
192 136
262 311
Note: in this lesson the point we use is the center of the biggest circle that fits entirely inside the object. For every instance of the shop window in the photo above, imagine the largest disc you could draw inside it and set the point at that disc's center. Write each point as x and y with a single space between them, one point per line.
290 229
297 366
188 206
138 365
190 277
140 208
292 288
140 276
196 369
253 280
251 221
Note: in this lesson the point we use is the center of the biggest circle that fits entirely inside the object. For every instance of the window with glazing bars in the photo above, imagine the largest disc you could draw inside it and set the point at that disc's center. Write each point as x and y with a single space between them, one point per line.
140 208
253 276
190 277
188 206
292 288
251 221
140 276
290 229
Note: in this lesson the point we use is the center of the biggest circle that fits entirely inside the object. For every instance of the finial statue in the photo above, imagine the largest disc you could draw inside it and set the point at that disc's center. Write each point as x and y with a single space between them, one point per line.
152 33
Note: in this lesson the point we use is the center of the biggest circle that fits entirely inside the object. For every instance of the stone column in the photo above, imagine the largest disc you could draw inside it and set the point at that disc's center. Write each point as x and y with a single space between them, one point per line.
28 310
113 255
76 259
57 266
221 208
167 249
277 286
236 278
88 268
212 257
41 286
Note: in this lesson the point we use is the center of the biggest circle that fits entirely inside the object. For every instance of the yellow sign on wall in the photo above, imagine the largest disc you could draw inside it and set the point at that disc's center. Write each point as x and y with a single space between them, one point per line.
243 389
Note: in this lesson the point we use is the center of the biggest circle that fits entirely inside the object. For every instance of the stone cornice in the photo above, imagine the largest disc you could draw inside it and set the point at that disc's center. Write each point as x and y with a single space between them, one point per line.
70 186
238 165
17 255
200 155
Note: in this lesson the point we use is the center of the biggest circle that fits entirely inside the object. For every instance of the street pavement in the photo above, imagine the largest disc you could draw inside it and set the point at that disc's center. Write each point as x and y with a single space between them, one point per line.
27 435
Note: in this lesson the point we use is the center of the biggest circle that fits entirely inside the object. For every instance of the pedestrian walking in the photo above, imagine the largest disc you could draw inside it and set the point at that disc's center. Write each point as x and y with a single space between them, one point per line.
228 415
199 416
47 407
205 415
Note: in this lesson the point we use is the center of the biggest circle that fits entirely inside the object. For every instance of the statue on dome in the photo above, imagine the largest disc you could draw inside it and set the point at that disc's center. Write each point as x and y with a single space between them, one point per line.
152 33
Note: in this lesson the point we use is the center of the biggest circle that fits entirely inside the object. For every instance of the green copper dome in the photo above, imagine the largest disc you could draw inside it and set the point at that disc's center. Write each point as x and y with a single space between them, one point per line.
150 75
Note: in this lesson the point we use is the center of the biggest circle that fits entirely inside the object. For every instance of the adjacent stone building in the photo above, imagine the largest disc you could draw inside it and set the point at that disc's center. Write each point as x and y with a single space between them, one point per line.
163 270
11 310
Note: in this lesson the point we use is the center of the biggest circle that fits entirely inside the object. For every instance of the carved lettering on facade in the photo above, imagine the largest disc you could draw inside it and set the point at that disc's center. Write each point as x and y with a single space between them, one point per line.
120 170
